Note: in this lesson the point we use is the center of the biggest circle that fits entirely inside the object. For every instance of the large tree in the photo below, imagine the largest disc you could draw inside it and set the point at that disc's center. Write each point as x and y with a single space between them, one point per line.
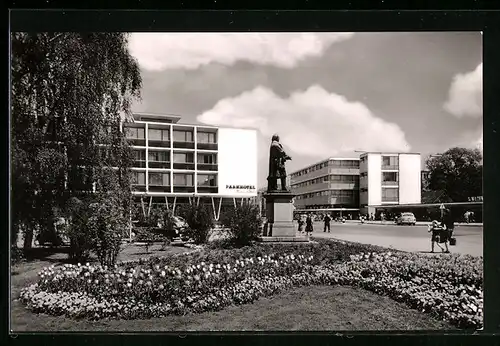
457 174
66 88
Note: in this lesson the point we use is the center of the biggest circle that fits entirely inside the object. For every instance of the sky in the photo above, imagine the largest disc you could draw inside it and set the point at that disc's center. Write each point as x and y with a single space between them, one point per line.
325 94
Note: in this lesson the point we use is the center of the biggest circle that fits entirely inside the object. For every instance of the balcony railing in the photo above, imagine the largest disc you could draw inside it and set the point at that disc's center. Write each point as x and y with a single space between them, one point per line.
139 187
184 165
208 189
184 145
390 199
390 167
390 183
159 164
159 188
137 142
207 166
139 164
160 144
183 188
207 146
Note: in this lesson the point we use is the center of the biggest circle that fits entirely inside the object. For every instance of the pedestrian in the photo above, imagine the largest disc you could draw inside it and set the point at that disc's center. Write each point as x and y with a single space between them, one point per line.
327 220
265 228
309 224
301 224
466 216
447 222
439 235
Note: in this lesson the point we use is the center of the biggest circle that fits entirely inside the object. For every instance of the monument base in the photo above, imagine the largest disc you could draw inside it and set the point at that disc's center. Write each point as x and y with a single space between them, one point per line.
279 208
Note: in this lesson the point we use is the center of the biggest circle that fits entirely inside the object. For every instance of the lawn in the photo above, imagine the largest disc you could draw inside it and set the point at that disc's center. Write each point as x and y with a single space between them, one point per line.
317 307
323 308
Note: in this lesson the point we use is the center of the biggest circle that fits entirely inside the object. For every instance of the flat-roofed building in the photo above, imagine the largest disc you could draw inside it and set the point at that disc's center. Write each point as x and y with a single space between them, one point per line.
175 163
389 179
331 185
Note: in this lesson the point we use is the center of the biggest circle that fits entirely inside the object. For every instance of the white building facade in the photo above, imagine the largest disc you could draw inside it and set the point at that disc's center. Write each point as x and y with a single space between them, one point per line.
177 163
389 179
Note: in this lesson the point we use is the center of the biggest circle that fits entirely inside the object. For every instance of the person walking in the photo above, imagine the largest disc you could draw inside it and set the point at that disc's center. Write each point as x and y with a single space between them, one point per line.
327 220
309 224
438 236
448 223
300 221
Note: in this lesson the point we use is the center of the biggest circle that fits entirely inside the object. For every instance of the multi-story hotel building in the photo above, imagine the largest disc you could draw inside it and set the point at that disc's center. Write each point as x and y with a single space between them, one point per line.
362 185
330 185
176 163
387 179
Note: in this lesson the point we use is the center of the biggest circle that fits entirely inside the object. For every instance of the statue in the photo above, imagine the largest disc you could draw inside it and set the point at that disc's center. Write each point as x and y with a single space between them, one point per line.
277 159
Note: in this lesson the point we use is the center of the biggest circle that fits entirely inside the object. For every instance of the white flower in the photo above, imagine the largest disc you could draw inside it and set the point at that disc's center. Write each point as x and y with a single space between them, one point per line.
162 273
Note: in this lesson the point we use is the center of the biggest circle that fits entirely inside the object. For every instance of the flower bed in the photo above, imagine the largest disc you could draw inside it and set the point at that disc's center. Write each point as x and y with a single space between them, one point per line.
449 286
97 292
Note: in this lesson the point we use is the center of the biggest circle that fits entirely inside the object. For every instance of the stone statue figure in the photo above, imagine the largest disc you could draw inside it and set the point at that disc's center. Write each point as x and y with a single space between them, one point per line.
277 159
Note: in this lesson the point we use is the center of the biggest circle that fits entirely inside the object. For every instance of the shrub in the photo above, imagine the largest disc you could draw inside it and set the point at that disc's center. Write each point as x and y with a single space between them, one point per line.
200 222
107 224
16 254
150 235
242 223
81 241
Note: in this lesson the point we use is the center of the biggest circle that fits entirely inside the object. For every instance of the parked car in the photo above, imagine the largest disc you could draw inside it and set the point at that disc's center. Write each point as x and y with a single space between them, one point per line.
180 226
406 219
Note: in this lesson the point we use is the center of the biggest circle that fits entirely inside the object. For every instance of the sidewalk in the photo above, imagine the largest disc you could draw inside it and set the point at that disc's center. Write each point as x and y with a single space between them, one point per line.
466 245
419 223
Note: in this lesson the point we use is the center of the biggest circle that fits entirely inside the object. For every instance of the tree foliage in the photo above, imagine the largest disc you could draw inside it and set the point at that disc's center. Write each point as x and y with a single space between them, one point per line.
457 173
67 88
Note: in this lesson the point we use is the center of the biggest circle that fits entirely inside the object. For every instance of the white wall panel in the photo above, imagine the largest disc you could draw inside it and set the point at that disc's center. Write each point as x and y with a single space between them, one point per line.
237 162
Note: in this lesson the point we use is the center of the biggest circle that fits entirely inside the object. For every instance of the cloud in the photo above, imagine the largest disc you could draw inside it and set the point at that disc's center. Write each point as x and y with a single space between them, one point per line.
466 94
479 142
159 51
310 123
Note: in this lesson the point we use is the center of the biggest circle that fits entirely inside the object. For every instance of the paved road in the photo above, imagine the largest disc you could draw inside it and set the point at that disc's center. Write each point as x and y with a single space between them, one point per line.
406 238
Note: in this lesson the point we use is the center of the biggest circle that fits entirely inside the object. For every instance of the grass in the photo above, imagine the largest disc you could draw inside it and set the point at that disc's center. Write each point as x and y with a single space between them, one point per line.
314 308
317 308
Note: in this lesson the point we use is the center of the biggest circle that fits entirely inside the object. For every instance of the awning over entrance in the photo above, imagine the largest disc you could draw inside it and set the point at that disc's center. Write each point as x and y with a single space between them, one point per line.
325 209
430 205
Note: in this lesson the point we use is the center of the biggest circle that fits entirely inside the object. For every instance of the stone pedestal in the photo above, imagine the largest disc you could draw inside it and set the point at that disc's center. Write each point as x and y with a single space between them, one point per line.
279 208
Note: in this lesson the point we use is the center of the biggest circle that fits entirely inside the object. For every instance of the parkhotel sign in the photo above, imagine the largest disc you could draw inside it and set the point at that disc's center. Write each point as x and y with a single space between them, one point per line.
240 187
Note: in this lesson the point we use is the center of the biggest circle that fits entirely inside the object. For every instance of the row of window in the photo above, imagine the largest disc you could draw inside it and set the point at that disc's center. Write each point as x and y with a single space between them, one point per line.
335 178
349 164
390 194
330 193
181 157
388 162
179 179
387 177
164 135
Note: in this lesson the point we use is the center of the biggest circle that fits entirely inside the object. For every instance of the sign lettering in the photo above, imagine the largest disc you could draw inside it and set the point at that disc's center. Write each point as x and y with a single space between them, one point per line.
240 187
475 199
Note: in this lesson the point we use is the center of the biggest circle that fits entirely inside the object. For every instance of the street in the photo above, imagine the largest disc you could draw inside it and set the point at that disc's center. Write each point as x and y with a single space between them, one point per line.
406 238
